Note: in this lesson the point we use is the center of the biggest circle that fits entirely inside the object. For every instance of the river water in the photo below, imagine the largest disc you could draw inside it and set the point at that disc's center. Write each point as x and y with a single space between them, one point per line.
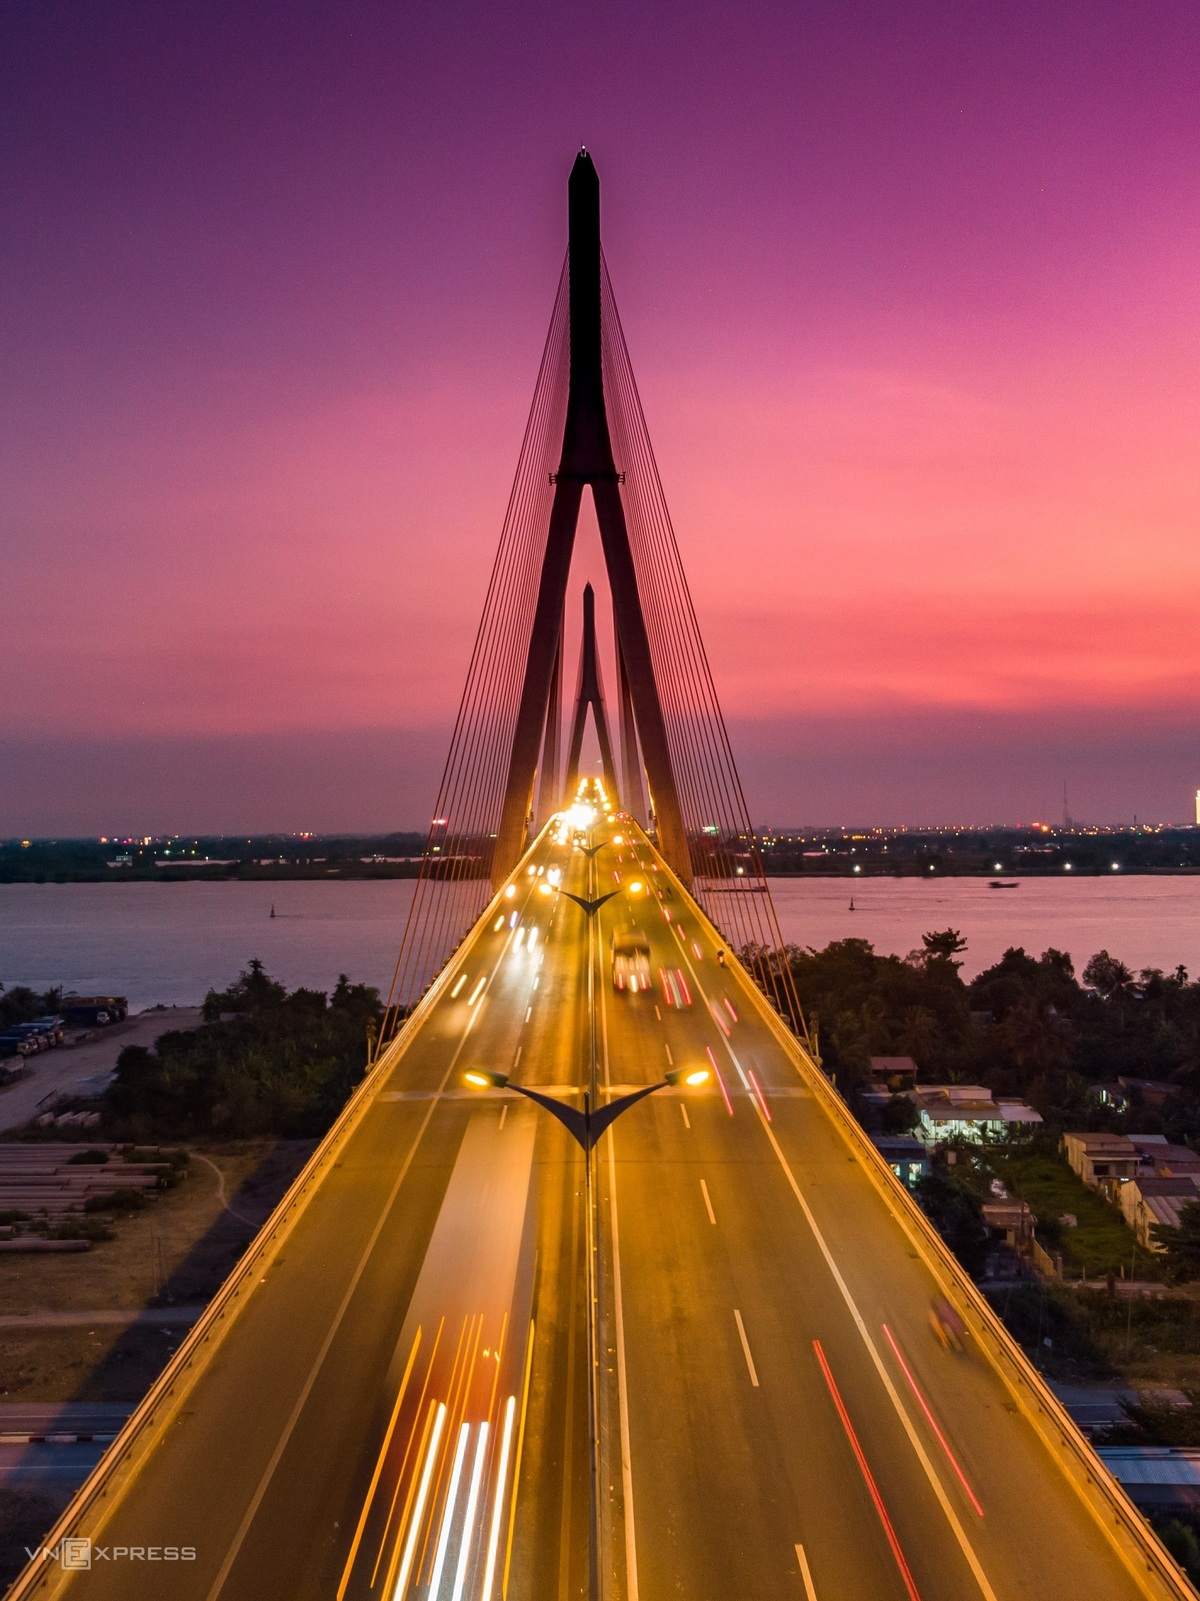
170 943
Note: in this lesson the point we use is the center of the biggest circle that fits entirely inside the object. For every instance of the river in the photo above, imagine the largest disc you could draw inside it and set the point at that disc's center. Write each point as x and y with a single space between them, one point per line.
169 943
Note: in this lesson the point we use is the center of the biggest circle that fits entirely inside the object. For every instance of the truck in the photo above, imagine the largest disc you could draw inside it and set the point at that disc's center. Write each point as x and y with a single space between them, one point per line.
631 962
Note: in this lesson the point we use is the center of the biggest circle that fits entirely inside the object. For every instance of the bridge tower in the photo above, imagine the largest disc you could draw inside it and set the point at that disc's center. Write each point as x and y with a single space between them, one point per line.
590 692
587 461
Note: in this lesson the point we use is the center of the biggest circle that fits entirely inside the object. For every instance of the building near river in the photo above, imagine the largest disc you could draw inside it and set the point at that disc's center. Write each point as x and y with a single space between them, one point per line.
967 1112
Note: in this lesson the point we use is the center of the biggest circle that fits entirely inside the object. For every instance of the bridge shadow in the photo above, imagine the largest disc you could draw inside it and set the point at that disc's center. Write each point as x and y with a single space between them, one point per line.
139 1353
30 1502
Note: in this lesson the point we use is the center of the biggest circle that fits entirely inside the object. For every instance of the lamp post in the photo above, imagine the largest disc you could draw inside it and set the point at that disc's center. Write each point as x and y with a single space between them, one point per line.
586 1128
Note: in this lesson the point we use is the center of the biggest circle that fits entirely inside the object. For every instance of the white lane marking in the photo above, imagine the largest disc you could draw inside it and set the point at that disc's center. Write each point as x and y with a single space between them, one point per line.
670 1058
631 1569
658 1014
687 1122
537 979
960 1534
707 1203
529 1014
810 1592
517 1057
503 1113
741 1328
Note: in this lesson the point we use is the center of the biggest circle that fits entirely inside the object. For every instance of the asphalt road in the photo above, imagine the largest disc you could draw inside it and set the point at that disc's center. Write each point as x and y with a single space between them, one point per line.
776 1417
785 1392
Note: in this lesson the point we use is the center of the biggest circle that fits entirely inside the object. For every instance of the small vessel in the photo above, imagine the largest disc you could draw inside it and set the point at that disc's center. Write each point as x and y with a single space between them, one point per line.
272 908
852 903
998 883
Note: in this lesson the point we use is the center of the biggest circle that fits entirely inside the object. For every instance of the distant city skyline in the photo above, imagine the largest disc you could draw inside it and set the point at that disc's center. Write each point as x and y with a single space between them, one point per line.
910 295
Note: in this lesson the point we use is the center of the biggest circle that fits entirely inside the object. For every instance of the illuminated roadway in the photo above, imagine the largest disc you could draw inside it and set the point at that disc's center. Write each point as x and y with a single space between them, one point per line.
777 1418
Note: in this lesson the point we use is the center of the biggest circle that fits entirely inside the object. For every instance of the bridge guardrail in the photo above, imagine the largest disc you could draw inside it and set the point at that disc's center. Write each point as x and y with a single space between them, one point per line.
1149 1564
89 1509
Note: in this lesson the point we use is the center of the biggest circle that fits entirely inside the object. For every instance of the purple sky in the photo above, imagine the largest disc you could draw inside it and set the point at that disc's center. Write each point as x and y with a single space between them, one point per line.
910 291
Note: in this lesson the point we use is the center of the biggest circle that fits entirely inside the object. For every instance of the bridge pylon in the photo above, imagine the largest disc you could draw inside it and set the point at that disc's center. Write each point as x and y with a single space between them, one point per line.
586 461
590 693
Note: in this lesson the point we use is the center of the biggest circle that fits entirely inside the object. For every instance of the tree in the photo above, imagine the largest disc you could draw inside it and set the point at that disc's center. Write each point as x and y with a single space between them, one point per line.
1037 1036
1181 1246
957 1215
943 946
1110 977
900 1115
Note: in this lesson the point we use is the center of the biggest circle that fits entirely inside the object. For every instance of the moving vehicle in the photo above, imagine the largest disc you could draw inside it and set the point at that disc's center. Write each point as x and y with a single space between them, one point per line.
947 1326
631 962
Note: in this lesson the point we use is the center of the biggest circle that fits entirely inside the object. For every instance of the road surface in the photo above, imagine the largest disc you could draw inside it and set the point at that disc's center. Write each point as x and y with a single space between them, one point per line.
399 1407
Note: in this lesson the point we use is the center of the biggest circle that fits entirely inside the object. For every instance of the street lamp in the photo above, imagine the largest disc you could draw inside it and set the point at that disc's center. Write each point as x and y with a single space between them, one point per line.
585 1128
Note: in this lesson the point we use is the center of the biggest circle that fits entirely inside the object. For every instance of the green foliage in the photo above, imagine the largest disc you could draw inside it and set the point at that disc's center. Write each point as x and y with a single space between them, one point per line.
900 1115
22 1005
281 1064
1158 1424
1180 1540
953 1208
1181 1246
1025 1026
1099 1244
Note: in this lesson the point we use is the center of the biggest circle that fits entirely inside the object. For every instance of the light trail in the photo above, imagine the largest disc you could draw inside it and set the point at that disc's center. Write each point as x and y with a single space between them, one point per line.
464 1552
477 991
868 1476
387 1440
720 1080
493 1545
414 1528
762 1100
439 1560
941 1438
458 984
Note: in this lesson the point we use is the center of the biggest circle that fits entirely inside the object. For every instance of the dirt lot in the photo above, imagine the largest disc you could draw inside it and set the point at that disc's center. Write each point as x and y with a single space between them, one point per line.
177 1252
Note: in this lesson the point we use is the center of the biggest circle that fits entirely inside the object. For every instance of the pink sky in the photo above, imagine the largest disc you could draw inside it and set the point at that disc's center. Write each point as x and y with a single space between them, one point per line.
911 296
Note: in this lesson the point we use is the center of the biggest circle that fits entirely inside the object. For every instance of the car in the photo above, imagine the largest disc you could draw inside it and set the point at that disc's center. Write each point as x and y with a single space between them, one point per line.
631 962
17 1045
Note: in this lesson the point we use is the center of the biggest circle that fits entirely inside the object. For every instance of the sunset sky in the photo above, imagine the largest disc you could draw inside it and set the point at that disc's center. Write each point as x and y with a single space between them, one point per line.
912 295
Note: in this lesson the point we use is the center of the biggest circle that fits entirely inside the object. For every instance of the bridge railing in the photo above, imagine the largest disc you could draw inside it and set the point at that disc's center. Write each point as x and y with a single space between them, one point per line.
1150 1566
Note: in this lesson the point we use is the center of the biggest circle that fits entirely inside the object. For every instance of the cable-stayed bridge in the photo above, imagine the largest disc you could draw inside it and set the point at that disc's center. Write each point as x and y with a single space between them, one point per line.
485 1351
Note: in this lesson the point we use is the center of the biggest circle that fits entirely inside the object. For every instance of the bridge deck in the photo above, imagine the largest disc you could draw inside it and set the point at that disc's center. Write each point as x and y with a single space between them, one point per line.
777 1418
